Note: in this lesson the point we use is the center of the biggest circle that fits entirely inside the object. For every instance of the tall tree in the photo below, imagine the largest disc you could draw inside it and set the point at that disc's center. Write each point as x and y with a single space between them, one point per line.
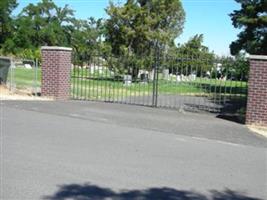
138 25
194 48
86 39
40 24
198 55
252 19
6 24
140 28
235 67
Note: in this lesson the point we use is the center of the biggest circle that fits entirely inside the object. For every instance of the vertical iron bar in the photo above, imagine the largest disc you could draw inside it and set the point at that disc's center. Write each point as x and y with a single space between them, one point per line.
78 82
154 81
157 77
90 80
86 82
73 82
82 83
36 76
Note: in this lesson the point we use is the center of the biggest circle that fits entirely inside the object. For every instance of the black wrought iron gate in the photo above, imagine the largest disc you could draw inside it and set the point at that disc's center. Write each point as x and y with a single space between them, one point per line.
179 83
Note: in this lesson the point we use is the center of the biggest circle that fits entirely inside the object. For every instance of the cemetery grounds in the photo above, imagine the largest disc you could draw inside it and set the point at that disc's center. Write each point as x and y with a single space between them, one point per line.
103 85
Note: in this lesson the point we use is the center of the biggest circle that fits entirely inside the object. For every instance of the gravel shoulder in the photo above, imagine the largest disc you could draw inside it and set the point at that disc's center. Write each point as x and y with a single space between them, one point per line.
22 95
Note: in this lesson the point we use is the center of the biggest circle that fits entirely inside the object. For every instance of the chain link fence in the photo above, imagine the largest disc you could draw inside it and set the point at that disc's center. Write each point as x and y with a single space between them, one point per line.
20 75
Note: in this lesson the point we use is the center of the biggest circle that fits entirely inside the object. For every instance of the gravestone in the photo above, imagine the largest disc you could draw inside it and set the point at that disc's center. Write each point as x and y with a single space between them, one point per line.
151 75
165 74
184 78
92 69
178 78
27 66
192 77
127 80
144 78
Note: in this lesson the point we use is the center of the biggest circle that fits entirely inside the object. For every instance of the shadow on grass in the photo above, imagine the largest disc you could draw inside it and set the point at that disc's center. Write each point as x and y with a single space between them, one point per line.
223 89
94 192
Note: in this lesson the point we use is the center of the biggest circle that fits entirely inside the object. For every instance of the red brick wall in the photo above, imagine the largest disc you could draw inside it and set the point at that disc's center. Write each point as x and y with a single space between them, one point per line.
56 67
257 92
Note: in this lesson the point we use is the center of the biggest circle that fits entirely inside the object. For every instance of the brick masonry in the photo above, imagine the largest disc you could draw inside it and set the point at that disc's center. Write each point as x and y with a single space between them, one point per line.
257 92
56 68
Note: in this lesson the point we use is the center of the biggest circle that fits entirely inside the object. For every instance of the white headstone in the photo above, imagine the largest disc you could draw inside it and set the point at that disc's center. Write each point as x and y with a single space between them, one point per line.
27 66
165 73
127 79
192 77
151 75
178 78
184 78
92 70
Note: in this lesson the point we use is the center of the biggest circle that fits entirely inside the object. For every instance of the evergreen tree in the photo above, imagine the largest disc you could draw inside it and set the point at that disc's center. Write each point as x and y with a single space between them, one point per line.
195 55
252 19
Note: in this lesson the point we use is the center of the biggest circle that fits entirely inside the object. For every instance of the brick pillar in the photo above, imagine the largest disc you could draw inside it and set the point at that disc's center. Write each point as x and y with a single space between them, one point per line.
56 68
257 91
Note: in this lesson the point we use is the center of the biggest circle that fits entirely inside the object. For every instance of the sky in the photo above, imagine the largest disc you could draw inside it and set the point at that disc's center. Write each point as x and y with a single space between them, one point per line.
207 17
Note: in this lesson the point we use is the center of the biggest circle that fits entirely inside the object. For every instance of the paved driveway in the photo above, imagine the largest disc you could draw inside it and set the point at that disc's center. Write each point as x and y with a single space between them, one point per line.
83 150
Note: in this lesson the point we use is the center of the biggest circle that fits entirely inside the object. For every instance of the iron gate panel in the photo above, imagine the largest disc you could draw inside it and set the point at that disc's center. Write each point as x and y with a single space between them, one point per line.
179 83
112 79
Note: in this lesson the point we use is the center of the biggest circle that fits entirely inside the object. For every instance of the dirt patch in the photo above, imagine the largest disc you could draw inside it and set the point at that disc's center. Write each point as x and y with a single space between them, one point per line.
6 94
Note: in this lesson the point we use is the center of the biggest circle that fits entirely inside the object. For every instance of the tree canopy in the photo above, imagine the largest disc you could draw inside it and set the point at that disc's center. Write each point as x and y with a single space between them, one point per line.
139 25
194 48
86 38
252 19
194 53
134 29
6 22
42 24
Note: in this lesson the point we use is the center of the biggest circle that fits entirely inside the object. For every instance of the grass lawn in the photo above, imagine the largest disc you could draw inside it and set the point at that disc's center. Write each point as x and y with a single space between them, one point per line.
104 87
25 78
83 88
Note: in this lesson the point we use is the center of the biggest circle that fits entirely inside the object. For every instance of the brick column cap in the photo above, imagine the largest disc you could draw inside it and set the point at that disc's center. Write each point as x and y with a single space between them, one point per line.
56 48
258 57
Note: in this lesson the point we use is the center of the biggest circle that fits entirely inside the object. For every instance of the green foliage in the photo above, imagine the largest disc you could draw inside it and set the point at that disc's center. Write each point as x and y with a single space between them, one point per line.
30 54
86 39
252 19
138 25
193 57
138 29
6 23
194 48
46 24
235 68
38 25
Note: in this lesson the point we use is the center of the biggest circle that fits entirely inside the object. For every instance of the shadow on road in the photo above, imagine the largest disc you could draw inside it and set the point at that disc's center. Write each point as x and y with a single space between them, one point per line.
94 192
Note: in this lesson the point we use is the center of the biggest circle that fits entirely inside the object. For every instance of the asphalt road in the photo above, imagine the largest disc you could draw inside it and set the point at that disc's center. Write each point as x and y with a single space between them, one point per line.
82 150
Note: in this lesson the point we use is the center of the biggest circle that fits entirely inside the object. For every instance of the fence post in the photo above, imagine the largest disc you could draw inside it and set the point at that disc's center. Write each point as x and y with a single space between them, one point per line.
56 68
257 91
